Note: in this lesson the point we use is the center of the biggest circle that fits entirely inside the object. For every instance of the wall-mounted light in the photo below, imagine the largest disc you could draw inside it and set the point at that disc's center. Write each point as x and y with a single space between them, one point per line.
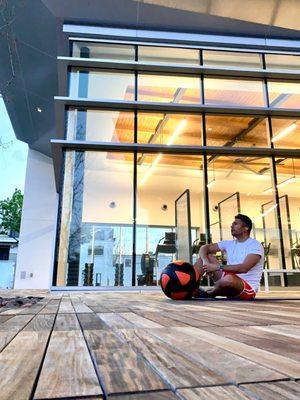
38 109
284 132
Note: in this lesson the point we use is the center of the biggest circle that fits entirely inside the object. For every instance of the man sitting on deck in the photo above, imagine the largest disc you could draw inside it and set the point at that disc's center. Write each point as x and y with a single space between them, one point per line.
240 277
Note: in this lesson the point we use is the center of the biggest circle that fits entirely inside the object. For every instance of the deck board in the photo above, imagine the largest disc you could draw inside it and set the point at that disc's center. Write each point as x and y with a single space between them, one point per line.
143 346
68 372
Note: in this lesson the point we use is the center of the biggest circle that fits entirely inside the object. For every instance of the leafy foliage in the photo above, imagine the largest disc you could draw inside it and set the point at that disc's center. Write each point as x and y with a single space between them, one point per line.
10 213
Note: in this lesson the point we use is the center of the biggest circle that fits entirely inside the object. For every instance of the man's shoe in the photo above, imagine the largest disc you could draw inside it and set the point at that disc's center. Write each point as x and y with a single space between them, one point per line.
202 294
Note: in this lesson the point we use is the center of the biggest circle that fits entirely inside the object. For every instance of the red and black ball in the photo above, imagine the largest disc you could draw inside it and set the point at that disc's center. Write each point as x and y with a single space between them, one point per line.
179 280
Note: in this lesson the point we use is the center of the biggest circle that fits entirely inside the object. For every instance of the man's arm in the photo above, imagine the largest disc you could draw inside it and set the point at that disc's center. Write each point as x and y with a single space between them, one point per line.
207 249
248 263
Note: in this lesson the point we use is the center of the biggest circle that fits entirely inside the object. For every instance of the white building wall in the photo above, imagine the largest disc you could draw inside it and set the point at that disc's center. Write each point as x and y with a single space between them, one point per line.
38 225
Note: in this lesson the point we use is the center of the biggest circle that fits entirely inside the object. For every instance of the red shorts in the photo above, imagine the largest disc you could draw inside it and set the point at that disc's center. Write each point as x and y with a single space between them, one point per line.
247 293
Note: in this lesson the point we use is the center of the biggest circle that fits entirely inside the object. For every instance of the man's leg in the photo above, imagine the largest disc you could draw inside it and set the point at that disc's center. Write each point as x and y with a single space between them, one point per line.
228 285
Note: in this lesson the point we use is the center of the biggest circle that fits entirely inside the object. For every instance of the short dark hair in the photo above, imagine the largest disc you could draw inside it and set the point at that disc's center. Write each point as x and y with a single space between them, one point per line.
247 221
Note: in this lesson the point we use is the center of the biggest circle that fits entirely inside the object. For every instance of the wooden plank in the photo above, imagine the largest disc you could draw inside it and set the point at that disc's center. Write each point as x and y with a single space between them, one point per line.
67 369
286 330
213 393
91 322
176 368
19 364
190 321
267 359
269 341
163 395
51 307
138 321
278 390
4 318
66 322
66 306
40 322
115 321
159 318
81 307
10 328
121 369
234 368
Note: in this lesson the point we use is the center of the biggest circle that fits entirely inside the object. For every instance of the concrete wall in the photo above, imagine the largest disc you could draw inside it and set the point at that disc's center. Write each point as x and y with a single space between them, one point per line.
38 226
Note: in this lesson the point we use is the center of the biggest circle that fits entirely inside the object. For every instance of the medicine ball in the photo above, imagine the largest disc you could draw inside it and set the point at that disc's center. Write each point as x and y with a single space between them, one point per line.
179 280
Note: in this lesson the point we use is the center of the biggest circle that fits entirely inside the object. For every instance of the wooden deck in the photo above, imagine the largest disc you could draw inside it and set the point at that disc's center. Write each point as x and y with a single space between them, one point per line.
140 346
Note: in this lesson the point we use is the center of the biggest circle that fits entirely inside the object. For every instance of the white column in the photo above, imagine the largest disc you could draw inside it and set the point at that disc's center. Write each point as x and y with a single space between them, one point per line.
38 226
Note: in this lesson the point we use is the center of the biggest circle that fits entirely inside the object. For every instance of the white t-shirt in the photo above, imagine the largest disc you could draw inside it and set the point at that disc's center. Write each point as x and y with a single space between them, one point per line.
236 254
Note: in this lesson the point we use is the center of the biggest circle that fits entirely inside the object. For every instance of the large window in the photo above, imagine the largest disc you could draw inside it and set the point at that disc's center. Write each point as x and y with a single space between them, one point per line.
288 175
96 226
101 84
169 55
244 184
234 92
286 132
161 180
125 215
221 59
284 94
167 128
283 62
169 89
103 51
240 131
100 125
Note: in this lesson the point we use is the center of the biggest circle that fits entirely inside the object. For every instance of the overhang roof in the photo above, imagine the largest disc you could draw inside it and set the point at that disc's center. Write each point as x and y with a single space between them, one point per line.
31 38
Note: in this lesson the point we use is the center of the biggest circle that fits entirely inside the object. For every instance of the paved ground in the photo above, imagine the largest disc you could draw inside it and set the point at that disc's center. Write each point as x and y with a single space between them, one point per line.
140 345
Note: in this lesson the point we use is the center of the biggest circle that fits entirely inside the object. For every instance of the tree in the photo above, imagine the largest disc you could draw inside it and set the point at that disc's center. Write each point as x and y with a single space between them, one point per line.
10 213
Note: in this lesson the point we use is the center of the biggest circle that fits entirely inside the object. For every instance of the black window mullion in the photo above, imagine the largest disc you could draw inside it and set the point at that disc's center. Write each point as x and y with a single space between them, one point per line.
205 182
276 198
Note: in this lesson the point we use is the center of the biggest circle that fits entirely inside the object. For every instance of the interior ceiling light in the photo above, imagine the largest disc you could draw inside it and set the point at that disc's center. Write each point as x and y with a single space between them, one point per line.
177 132
287 181
268 190
284 132
149 170
269 210
211 183
172 139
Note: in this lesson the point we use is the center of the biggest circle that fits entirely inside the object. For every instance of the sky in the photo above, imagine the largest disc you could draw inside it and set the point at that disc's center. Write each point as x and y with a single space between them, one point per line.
13 157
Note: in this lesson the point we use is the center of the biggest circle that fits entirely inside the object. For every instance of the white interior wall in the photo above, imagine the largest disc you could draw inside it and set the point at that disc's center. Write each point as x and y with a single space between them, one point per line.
38 225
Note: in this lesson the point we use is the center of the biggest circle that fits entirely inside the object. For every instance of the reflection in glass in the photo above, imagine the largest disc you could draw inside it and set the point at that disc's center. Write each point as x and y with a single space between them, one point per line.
213 58
168 55
284 94
101 84
244 184
100 125
96 230
102 51
240 131
286 132
161 179
165 128
169 89
288 178
282 61
234 92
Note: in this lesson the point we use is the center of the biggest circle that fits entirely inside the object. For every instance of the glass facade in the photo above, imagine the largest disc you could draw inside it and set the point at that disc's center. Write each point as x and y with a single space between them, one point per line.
187 152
